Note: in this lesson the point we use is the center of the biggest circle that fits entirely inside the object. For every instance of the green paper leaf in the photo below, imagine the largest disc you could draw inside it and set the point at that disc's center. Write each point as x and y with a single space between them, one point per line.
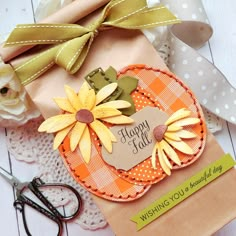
128 84
111 74
97 79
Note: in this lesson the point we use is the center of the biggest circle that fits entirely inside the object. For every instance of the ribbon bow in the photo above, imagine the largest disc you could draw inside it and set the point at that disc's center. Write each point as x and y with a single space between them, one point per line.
72 41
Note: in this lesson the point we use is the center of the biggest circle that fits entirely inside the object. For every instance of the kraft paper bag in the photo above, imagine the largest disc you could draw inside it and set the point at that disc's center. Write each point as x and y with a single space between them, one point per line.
205 211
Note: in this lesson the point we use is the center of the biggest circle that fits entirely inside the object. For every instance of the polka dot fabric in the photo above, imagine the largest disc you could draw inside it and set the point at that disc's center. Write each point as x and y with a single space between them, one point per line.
187 10
211 87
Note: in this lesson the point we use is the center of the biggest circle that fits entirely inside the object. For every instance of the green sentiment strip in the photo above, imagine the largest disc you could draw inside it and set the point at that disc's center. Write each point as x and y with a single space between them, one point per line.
184 190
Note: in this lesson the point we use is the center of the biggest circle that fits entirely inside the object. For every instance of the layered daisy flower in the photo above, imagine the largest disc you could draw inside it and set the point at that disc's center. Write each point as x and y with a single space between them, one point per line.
169 138
84 110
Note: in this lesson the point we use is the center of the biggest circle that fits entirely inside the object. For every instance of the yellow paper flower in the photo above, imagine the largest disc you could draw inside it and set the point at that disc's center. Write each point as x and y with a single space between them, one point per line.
84 110
169 137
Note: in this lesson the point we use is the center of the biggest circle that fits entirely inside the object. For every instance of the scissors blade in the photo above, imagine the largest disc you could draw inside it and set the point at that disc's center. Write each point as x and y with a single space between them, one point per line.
10 179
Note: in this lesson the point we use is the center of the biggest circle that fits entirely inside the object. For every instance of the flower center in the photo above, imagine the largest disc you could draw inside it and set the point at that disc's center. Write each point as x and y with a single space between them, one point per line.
84 116
4 90
159 132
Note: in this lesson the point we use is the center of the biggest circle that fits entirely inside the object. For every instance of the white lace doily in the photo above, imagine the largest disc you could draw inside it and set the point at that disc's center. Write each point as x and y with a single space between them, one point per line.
25 143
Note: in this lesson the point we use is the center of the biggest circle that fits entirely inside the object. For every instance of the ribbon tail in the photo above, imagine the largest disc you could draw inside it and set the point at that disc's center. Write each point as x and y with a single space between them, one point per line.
72 54
145 18
32 34
36 66
117 10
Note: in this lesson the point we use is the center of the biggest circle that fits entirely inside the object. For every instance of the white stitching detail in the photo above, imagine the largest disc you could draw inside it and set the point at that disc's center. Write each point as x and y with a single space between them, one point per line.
154 23
47 26
133 13
75 55
78 66
130 14
61 50
37 41
155 9
116 3
33 59
35 75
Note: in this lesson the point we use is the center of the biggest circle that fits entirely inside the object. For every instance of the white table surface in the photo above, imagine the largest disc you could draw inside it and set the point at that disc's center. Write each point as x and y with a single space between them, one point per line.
221 50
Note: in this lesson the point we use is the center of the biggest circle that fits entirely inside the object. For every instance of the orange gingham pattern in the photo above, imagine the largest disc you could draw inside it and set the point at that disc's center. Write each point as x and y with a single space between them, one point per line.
97 176
171 94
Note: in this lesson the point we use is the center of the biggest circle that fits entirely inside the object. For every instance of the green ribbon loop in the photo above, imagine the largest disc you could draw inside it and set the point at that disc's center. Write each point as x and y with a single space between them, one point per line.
72 42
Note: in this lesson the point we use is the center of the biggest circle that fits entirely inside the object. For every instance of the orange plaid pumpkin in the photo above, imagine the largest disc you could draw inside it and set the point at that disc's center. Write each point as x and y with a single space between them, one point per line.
156 88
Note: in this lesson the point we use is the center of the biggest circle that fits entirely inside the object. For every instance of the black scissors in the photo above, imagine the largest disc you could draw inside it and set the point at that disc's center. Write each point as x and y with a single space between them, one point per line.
34 186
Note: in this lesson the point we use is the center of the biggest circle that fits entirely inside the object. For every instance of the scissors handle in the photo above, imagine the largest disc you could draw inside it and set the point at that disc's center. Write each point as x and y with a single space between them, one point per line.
20 205
36 183
51 212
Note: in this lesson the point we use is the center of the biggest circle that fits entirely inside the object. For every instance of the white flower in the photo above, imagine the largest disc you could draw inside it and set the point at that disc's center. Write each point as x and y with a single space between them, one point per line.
15 106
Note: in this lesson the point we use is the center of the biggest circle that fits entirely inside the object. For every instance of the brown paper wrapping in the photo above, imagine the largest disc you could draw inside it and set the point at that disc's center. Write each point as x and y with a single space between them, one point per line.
117 48
201 214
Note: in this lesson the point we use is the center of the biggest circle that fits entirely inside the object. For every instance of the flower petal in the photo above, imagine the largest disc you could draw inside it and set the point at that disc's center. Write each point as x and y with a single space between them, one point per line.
73 97
119 120
161 157
118 104
187 121
186 134
170 152
83 92
181 146
89 100
64 104
56 123
85 145
165 158
172 128
103 134
60 136
104 112
153 158
180 114
112 136
105 92
172 135
76 135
